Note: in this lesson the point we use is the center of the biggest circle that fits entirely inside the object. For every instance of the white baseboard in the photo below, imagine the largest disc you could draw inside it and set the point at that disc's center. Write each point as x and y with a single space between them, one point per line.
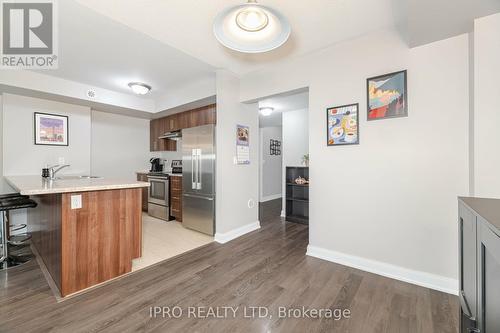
419 278
235 233
271 197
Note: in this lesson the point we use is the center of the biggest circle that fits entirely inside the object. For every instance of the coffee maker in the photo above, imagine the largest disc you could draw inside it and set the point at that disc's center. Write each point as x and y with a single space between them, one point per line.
156 165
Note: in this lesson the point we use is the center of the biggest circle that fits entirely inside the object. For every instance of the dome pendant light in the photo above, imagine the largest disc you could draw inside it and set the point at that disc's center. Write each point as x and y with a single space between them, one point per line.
251 28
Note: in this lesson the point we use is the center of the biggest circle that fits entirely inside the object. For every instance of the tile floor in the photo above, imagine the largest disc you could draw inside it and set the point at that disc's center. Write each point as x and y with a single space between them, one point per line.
162 240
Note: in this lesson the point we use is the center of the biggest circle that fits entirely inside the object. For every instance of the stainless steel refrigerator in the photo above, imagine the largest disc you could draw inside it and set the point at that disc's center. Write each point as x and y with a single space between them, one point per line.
198 177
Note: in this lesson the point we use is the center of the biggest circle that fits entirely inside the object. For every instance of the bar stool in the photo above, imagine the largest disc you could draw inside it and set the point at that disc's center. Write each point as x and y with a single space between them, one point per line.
14 248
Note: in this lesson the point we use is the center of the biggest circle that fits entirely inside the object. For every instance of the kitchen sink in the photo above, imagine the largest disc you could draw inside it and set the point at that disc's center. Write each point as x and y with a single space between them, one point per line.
77 177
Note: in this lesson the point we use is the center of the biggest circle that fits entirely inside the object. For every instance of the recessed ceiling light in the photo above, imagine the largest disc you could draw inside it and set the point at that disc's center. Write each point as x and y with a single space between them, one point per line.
251 28
266 111
139 88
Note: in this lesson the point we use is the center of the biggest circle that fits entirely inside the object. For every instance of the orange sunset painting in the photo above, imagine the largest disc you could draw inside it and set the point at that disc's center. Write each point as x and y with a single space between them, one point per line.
387 96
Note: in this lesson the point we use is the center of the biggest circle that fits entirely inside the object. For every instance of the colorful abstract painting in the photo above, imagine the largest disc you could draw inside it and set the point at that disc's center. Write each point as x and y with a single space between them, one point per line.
343 125
387 96
51 129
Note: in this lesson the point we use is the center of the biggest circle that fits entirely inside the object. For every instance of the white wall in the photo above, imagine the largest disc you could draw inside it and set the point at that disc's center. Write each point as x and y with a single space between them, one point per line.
486 109
237 185
43 83
271 165
389 204
120 145
295 141
22 157
193 91
167 156
4 188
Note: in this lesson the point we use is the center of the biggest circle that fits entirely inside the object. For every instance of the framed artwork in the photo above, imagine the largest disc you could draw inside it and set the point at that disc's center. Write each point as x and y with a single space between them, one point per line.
343 125
387 96
51 129
275 147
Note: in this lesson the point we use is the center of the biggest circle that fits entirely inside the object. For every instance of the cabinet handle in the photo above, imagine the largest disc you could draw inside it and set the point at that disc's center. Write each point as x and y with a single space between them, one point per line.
473 330
465 306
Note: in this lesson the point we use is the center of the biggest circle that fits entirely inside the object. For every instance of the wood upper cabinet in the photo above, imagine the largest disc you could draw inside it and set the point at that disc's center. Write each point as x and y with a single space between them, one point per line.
203 116
154 130
197 117
187 119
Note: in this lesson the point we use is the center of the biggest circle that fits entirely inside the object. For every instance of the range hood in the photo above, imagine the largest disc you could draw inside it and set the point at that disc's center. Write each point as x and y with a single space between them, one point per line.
174 135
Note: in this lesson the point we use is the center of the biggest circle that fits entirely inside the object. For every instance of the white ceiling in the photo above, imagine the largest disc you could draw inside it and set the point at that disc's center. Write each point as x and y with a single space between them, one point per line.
282 103
431 20
168 44
187 25
104 53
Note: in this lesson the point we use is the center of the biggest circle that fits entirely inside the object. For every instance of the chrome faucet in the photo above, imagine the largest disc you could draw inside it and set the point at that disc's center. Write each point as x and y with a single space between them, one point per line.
55 169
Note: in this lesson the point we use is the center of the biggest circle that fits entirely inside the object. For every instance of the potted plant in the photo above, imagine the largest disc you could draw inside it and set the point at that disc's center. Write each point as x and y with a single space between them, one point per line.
305 160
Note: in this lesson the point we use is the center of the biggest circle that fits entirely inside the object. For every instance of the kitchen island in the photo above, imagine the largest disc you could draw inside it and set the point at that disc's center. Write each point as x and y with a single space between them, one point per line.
85 230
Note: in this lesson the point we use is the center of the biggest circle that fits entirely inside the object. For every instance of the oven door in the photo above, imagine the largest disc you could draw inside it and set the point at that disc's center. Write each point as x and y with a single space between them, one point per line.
158 191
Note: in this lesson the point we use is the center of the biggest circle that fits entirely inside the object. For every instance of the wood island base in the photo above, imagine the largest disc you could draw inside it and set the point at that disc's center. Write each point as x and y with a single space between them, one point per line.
86 246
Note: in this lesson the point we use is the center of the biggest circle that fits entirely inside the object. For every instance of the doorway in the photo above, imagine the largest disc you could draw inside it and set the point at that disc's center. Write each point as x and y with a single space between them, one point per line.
284 145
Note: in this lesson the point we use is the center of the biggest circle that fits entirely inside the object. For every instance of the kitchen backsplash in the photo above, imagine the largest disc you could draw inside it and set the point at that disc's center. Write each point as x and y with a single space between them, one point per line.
168 156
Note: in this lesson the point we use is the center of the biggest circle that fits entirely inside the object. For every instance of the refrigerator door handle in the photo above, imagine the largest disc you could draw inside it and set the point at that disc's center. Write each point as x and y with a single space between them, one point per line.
198 183
198 197
194 171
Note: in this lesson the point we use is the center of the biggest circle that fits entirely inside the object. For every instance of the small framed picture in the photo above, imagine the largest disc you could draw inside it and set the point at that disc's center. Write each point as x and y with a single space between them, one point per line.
387 96
342 125
275 147
51 129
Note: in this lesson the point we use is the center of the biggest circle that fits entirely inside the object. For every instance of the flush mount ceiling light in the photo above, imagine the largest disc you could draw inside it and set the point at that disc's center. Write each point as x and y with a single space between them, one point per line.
266 111
251 28
139 88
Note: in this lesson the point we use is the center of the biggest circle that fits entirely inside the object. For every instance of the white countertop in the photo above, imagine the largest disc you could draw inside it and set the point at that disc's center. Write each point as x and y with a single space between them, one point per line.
35 185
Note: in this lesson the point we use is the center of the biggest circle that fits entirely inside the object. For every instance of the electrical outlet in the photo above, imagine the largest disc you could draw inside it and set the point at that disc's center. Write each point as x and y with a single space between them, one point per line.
76 201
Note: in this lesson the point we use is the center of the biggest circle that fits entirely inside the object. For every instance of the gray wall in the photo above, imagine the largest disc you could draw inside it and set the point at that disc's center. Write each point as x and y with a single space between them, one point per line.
295 141
487 100
4 188
22 157
388 204
104 144
271 165
236 184
120 145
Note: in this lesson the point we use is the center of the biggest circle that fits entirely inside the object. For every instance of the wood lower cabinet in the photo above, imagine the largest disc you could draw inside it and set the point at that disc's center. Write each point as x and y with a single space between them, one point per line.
142 177
193 118
176 197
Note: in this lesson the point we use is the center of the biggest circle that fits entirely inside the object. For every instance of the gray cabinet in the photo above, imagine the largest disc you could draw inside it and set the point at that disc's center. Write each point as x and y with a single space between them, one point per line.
479 245
468 261
489 279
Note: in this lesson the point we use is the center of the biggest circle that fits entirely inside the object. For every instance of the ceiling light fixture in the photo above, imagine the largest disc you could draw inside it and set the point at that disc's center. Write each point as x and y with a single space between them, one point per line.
139 88
251 28
266 111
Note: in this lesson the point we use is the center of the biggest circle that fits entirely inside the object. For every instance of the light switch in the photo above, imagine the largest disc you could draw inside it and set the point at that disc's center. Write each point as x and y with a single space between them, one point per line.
61 161
76 201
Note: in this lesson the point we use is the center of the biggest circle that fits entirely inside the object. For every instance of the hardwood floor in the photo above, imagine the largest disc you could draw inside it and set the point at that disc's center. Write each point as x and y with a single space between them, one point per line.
270 209
265 268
